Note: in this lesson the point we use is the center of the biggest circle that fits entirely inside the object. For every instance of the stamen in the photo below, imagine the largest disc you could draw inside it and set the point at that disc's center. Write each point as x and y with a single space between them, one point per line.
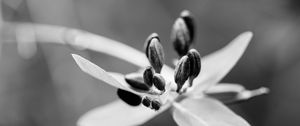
148 76
129 98
156 54
180 37
195 64
136 82
159 82
148 40
190 23
155 105
182 72
146 101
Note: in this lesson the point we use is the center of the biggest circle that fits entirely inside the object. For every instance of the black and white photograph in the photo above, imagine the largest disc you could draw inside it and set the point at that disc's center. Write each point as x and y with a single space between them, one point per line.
149 63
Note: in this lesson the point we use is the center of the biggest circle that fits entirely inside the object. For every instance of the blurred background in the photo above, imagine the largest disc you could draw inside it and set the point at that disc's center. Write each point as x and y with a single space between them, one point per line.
40 85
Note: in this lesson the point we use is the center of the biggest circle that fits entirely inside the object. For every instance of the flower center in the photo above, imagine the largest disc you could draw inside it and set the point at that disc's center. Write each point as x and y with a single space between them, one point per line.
151 82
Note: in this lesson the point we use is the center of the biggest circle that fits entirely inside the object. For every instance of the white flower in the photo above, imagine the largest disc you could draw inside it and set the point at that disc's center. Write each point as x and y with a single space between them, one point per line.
197 98
196 108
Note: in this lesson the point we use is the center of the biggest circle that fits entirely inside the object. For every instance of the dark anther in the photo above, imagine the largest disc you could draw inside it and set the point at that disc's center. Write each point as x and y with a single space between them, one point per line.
156 54
195 64
146 101
190 23
130 98
136 81
159 82
148 40
180 37
182 72
155 105
148 76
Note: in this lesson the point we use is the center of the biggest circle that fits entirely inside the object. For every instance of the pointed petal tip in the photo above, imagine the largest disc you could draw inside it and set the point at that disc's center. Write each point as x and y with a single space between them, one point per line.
264 90
248 35
253 93
78 59
97 72
73 55
260 91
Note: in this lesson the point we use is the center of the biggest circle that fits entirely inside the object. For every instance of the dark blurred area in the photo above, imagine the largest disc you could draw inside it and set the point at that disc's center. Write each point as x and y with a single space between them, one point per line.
42 86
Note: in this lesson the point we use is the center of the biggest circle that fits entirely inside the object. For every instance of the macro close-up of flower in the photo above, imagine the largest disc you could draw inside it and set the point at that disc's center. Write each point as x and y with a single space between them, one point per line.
192 89
149 63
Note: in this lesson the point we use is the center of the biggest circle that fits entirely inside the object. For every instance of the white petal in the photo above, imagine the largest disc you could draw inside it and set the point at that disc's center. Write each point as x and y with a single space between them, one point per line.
225 87
118 49
211 111
113 48
247 94
119 113
216 65
183 117
97 72
231 93
225 92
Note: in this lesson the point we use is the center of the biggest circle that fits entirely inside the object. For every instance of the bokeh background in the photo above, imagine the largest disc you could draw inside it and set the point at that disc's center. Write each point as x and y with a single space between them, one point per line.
42 86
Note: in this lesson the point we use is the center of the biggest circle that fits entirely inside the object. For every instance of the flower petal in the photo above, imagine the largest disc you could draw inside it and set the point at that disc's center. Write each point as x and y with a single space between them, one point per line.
117 49
212 112
183 117
233 93
113 48
247 94
97 72
119 113
216 65
225 92
225 87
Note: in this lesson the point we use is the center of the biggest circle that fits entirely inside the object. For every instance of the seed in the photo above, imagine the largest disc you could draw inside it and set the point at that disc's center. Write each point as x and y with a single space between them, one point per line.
190 23
159 82
130 98
182 72
148 76
136 81
180 37
155 105
195 62
148 40
146 101
156 55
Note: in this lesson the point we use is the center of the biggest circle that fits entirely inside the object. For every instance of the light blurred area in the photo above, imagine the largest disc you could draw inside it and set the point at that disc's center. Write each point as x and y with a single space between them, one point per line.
40 84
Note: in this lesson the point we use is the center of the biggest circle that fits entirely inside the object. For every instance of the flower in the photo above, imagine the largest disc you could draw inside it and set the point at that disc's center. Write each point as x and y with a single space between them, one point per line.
199 101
